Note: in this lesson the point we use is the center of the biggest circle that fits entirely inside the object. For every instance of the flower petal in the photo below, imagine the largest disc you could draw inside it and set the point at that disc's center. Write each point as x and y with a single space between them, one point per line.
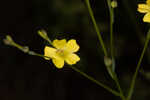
148 2
49 52
58 62
72 46
72 59
59 43
147 18
143 8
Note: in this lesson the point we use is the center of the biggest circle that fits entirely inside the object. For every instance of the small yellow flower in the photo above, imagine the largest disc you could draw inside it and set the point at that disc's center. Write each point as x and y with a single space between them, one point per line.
62 52
145 8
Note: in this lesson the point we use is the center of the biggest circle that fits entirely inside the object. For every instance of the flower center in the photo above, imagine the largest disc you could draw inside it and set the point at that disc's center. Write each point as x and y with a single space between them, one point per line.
62 53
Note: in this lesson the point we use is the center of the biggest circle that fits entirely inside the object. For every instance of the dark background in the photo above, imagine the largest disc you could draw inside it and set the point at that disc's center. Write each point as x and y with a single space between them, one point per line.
25 77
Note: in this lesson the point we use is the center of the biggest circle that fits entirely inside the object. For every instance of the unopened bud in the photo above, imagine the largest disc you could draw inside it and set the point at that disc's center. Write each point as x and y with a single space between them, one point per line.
43 34
8 40
114 4
107 61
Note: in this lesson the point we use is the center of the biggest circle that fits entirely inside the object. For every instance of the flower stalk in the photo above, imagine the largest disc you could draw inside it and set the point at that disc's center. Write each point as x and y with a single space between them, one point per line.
111 12
9 41
96 27
131 89
97 82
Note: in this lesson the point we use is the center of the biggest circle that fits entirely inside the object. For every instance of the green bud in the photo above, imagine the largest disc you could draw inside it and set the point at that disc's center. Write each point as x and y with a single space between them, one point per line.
43 34
110 66
8 40
114 4
107 61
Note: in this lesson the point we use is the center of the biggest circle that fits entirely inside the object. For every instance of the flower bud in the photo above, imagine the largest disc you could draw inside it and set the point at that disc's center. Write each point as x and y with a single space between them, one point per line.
8 40
114 4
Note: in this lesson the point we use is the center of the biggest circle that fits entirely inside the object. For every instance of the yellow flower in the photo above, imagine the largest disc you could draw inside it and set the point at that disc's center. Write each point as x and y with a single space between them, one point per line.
145 8
62 52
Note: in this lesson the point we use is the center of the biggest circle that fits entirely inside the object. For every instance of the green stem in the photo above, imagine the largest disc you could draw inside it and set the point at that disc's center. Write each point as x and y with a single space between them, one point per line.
96 27
28 52
97 82
111 12
84 74
37 54
111 31
138 67
119 88
17 45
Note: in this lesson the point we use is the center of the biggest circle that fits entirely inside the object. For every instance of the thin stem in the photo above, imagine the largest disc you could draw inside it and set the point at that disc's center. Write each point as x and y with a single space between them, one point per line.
111 39
96 27
37 54
111 32
50 42
138 67
111 12
119 88
17 45
28 51
97 82
84 74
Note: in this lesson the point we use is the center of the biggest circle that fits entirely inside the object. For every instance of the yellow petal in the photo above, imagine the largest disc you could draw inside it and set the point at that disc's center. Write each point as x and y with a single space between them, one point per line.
143 8
148 2
49 52
147 18
58 62
72 59
59 43
72 46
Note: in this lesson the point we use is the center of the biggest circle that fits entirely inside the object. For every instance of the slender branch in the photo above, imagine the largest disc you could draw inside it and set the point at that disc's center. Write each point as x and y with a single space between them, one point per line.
97 82
37 54
111 12
96 27
138 67
119 88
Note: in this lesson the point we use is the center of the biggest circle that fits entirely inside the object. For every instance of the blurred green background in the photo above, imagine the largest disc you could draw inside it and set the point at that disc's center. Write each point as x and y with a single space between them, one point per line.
25 77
